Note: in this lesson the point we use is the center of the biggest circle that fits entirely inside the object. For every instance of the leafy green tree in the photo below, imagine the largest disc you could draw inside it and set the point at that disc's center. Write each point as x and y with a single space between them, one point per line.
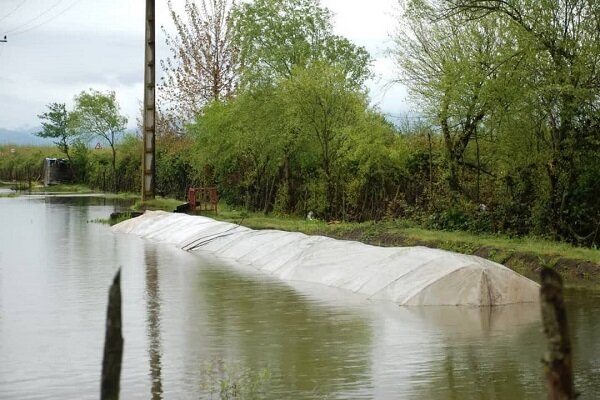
561 39
461 74
241 143
98 114
322 103
372 168
56 125
276 36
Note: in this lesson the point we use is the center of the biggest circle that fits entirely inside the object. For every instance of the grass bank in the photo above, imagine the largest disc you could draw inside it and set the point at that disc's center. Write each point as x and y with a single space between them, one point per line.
62 188
578 266
159 203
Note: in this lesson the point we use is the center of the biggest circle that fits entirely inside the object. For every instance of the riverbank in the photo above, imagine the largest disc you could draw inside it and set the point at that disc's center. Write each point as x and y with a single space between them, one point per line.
579 267
37 188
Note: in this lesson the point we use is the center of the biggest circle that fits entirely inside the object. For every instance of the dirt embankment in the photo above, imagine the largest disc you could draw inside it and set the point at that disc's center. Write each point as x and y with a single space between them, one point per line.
574 272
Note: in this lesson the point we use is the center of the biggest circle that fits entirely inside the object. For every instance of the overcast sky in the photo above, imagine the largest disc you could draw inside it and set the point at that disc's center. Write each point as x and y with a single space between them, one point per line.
57 48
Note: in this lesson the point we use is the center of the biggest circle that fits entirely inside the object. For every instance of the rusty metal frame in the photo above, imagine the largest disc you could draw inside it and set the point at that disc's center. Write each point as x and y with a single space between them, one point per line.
206 198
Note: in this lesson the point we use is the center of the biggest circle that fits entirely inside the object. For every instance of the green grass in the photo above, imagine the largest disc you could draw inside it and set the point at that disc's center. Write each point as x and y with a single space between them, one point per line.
123 195
405 233
37 187
111 221
159 203
62 188
536 246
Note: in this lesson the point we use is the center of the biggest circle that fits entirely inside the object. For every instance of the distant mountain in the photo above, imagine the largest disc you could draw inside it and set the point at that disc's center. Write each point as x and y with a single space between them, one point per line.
23 137
20 137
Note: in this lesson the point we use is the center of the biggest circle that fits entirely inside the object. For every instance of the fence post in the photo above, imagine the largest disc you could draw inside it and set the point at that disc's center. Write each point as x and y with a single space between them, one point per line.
558 362
113 343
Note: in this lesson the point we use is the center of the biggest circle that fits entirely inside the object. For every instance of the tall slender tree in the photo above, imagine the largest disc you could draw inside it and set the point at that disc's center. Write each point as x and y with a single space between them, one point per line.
99 114
203 65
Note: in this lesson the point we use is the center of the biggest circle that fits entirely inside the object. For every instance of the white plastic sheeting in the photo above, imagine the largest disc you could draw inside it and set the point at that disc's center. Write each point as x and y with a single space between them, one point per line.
404 275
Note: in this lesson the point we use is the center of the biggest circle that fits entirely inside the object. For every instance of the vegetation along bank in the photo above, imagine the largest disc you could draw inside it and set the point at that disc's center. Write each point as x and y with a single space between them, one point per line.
506 140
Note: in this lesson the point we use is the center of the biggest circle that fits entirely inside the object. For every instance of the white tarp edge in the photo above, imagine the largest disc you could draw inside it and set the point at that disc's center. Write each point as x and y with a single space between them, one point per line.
404 275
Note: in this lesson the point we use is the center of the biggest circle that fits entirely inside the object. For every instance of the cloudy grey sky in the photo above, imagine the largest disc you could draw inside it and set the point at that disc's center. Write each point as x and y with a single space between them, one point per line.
57 48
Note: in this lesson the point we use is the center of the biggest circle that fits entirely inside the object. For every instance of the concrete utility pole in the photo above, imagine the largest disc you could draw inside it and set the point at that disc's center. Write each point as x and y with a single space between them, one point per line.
148 165
4 40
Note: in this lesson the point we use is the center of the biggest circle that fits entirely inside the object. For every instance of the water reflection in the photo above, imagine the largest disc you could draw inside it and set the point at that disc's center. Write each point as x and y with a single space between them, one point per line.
181 311
477 359
153 320
309 349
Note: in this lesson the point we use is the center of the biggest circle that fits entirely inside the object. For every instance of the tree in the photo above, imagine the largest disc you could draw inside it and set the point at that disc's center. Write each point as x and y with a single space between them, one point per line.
562 38
276 36
458 70
203 64
55 125
322 103
240 146
98 114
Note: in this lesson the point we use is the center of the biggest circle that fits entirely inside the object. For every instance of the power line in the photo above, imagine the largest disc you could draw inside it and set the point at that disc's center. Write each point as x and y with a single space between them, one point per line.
48 20
13 11
46 11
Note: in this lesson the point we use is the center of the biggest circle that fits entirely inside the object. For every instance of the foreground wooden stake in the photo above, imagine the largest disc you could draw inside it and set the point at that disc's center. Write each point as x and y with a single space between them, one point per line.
558 364
113 343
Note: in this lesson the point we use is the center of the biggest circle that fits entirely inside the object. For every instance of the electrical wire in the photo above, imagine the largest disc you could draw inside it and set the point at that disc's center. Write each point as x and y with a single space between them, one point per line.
13 11
46 21
46 11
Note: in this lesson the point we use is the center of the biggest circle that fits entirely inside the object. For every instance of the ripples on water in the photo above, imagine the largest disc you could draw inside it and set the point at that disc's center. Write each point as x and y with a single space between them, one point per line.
184 314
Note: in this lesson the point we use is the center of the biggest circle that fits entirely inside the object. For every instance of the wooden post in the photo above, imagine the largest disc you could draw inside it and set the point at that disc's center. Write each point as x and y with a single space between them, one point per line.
113 343
149 117
558 363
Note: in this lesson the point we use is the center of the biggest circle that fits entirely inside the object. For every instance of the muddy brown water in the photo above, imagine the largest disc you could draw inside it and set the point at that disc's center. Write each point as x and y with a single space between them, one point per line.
186 315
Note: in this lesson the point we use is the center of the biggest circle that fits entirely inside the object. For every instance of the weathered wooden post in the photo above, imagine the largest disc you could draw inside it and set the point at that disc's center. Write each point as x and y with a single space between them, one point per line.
113 343
558 362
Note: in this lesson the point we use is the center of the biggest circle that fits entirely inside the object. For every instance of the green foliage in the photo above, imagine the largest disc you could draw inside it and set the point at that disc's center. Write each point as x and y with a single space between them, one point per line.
507 142
174 165
25 163
286 147
98 114
512 90
57 124
275 37
80 160
129 166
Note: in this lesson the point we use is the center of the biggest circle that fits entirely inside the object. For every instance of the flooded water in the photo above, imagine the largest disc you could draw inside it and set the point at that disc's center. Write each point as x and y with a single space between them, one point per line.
191 324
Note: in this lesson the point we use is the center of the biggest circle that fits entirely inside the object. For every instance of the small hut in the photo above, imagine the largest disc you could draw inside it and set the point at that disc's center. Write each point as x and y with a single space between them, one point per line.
57 170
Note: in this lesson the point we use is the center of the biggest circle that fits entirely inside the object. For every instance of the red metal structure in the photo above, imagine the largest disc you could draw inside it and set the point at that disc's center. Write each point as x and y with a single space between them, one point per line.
206 198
